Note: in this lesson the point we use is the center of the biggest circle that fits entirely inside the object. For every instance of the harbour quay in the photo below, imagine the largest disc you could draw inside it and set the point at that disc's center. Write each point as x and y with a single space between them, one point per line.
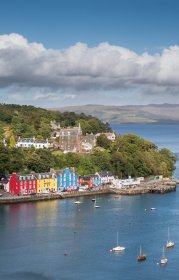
161 186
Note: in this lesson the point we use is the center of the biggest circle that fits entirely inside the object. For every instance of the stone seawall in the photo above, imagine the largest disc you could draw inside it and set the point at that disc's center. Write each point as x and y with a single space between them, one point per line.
22 199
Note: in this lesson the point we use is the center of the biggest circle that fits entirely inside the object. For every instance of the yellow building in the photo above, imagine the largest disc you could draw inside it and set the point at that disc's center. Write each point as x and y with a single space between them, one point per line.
46 182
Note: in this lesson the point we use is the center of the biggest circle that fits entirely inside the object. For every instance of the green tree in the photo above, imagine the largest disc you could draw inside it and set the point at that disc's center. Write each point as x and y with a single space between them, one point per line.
103 141
12 141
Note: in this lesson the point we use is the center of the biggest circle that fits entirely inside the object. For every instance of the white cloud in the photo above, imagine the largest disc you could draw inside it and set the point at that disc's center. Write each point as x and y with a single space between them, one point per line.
80 69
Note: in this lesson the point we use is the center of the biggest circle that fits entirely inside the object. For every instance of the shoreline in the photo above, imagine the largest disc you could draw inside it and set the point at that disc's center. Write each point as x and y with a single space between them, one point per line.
154 187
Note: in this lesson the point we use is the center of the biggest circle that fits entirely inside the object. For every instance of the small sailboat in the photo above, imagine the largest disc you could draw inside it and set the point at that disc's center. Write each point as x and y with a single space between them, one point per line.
163 260
169 244
117 248
141 257
95 205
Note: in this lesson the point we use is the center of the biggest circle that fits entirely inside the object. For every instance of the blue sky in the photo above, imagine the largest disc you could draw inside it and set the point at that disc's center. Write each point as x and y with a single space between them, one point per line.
69 52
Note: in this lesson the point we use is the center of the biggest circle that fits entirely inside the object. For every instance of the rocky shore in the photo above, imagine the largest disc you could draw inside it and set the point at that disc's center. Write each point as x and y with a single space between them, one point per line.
157 186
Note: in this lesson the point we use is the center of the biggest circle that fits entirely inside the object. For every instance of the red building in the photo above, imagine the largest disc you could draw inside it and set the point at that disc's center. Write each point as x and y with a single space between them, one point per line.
22 184
85 181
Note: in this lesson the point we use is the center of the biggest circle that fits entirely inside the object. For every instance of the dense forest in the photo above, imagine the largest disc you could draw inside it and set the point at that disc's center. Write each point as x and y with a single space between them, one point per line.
28 121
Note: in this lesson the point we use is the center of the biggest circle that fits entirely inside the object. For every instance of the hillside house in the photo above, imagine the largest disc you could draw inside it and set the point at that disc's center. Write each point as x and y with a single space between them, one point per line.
32 142
70 139
109 135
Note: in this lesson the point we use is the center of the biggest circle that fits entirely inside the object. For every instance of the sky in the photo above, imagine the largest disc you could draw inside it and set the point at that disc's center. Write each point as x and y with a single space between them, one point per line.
57 53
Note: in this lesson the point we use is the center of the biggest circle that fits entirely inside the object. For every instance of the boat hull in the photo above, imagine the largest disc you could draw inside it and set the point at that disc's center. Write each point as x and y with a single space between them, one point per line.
163 261
141 258
170 245
118 249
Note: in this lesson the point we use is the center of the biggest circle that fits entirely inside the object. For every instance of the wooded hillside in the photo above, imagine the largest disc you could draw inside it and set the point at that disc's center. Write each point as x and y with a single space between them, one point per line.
29 121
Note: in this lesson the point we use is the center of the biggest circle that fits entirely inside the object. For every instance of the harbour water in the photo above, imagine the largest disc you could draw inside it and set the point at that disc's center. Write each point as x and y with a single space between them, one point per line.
34 236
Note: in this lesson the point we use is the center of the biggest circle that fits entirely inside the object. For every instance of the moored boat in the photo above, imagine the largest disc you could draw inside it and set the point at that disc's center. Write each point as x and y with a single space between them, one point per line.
169 244
117 248
77 202
141 257
163 260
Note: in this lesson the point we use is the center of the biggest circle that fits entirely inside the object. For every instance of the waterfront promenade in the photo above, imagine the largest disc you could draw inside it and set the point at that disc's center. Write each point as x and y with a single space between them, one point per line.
153 186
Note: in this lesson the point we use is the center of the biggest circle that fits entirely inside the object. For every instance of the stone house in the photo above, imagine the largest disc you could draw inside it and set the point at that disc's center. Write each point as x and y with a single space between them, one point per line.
70 139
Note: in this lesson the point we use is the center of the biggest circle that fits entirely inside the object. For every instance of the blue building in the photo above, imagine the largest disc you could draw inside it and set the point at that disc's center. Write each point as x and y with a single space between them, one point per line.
96 180
67 178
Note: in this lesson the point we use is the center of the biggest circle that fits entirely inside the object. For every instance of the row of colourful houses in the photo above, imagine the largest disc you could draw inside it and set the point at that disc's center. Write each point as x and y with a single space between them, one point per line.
67 179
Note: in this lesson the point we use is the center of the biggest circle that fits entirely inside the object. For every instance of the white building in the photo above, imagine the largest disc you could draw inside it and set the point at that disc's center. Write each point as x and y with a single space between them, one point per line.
32 142
106 177
127 183
109 135
86 147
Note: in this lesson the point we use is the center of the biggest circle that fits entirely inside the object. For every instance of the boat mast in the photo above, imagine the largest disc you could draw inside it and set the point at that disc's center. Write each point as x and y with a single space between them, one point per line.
140 250
163 254
168 235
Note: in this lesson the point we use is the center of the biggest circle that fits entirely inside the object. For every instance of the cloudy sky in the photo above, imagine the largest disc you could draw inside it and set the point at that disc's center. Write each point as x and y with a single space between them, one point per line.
70 52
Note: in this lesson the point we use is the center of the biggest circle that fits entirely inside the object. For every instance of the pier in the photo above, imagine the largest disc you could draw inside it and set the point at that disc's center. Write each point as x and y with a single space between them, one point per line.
154 186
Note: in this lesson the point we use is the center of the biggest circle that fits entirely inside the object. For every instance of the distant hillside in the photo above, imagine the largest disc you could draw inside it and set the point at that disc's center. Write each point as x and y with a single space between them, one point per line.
168 113
29 121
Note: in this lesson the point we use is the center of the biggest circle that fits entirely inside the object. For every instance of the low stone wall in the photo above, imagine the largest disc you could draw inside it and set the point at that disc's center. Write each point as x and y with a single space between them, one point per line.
22 199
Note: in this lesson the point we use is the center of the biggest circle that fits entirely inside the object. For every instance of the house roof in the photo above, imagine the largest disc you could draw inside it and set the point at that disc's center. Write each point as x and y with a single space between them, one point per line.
105 173
34 141
25 177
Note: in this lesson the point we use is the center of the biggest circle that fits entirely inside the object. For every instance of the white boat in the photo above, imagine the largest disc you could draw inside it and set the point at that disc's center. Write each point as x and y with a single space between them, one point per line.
95 205
169 244
163 260
153 208
77 202
118 248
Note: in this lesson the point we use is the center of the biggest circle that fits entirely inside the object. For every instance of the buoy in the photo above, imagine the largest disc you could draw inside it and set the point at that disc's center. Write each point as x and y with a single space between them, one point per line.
65 253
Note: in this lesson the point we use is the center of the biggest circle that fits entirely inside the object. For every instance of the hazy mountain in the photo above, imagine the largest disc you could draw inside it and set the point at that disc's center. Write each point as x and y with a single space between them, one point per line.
129 114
